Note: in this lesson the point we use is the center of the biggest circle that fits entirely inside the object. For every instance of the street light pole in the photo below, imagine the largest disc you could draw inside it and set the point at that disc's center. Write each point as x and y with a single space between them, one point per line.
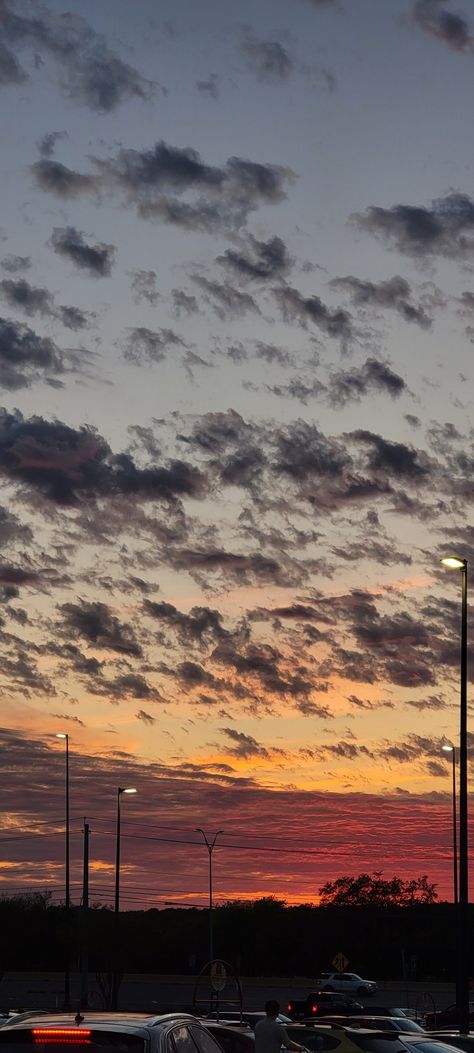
210 846
115 980
452 749
462 988
67 897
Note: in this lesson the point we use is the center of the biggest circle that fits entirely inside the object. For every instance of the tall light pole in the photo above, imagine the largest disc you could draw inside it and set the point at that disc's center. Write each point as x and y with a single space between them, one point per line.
115 978
462 988
449 748
210 847
67 899
120 791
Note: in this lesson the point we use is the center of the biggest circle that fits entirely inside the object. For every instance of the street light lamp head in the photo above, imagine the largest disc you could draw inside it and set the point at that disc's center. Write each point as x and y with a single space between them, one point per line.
448 747
127 789
60 735
454 562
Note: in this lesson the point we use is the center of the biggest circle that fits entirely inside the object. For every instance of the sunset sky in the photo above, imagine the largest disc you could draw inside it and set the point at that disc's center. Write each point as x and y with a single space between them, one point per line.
236 437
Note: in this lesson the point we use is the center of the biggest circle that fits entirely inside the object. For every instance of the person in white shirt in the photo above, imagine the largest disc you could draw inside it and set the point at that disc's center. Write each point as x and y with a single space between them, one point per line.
270 1035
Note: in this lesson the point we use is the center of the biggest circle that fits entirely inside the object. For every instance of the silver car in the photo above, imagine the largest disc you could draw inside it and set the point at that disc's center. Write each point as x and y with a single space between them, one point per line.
349 983
106 1033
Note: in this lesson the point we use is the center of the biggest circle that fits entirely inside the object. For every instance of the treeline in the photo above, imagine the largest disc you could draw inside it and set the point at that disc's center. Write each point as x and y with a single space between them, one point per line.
262 938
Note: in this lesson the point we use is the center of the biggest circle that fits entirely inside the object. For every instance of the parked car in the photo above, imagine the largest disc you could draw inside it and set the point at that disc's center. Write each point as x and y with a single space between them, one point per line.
347 983
231 1039
445 1016
425 1044
243 1017
319 1003
101 1032
465 1042
389 1010
380 1023
335 1038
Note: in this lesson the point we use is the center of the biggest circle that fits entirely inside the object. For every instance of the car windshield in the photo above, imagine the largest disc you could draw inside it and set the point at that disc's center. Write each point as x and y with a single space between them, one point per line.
407 1025
377 1043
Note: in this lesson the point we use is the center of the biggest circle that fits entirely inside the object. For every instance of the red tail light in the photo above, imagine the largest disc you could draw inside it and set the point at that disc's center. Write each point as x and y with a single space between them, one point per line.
77 1036
314 1009
290 1007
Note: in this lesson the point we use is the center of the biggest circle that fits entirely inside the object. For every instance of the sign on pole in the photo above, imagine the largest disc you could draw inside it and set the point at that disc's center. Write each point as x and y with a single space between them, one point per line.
218 976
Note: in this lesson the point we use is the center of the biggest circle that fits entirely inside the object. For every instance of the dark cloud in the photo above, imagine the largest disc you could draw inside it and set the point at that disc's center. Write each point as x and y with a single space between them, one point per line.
209 86
26 357
65 464
446 25
184 302
143 287
127 685
14 264
268 59
201 625
394 293
97 260
394 457
193 675
299 389
272 354
36 300
31 299
243 745
68 717
10 69
145 346
295 307
244 569
263 664
446 229
96 624
430 702
173 185
258 259
304 452
72 318
90 73
351 384
227 301
56 178
47 144
145 717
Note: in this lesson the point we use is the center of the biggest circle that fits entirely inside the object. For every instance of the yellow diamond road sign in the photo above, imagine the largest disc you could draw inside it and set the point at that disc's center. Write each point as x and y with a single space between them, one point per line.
340 962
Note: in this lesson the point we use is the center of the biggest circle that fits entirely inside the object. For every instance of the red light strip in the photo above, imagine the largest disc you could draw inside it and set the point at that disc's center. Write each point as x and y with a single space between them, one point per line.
69 1035
63 1031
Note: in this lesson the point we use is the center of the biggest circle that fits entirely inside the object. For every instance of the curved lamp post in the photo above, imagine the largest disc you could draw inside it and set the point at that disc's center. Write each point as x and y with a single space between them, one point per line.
210 846
449 748
462 988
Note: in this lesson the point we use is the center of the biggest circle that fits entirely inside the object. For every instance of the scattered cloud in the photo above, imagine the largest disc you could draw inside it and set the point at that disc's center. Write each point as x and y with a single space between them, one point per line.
143 286
145 346
436 19
268 59
304 309
89 72
173 185
261 260
395 293
97 259
446 229
209 87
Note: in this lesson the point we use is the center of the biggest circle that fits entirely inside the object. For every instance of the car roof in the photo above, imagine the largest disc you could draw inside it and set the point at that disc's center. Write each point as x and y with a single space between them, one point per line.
98 1019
